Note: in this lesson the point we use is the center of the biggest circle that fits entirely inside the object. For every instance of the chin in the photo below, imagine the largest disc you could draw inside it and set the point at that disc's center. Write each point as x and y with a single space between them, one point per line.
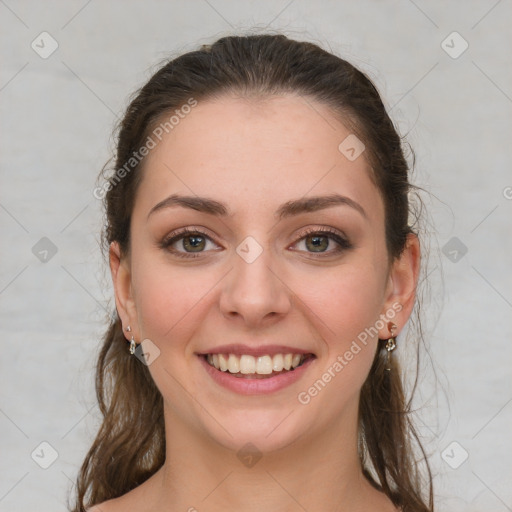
267 432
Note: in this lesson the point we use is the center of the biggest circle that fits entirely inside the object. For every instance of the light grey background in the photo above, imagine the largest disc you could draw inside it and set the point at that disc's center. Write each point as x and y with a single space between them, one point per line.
57 115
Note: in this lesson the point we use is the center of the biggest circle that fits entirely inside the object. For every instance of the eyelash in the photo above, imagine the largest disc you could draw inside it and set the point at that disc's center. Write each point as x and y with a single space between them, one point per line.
343 243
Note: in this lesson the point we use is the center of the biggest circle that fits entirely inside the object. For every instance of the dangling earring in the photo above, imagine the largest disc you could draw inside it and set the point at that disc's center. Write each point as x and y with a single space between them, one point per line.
390 343
133 345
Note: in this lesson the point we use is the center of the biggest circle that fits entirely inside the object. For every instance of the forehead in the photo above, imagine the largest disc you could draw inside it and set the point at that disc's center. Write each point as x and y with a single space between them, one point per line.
256 152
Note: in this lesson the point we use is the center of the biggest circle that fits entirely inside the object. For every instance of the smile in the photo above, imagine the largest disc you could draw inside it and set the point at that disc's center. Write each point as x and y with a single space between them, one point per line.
250 375
249 366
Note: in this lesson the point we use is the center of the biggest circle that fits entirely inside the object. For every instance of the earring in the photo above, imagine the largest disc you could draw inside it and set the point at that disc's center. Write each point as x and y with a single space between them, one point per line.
133 345
391 343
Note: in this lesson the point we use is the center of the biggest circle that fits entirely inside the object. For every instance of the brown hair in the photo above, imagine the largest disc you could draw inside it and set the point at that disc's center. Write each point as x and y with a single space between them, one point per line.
130 444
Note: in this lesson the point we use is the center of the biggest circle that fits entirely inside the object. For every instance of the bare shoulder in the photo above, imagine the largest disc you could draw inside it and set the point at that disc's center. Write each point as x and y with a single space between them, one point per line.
134 501
139 499
106 506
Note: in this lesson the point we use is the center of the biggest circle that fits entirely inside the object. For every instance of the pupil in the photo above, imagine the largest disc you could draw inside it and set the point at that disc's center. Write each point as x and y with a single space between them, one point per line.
194 242
319 243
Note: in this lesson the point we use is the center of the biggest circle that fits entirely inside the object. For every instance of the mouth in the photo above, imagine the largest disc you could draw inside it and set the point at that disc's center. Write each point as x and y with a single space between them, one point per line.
246 366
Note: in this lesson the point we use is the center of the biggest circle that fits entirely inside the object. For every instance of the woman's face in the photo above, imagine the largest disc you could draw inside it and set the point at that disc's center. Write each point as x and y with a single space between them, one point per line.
265 265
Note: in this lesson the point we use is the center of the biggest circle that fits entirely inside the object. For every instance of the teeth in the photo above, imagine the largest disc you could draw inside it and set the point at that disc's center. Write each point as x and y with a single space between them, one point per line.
262 365
277 362
223 363
247 365
233 364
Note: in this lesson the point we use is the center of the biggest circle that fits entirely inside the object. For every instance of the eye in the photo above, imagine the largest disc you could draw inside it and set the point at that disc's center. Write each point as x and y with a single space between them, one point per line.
319 241
187 242
190 243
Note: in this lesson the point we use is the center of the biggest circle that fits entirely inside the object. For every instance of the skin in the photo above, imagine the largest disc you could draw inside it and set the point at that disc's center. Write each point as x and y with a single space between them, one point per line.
253 156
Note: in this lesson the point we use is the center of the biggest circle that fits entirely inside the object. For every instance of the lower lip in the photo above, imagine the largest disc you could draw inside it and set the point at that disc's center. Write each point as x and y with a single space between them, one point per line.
255 386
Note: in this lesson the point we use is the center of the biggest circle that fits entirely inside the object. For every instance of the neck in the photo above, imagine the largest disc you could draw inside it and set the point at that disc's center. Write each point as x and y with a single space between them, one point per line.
317 472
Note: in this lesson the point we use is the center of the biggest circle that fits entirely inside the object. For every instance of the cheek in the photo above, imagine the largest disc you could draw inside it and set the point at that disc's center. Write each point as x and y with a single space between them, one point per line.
169 300
347 299
344 307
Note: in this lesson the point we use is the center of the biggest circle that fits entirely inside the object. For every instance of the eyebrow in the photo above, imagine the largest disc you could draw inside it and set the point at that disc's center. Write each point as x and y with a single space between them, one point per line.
288 209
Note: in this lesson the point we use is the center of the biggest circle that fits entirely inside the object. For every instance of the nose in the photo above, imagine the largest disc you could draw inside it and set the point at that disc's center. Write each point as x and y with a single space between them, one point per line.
253 292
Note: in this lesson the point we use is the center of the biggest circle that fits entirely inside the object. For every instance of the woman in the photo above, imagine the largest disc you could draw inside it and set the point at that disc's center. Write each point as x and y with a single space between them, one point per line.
263 265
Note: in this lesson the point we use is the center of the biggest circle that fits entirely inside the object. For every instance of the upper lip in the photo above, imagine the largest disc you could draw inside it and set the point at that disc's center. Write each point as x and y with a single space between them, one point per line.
262 350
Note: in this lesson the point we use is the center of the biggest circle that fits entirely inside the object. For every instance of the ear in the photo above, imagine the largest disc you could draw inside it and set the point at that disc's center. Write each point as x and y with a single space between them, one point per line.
401 286
121 278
